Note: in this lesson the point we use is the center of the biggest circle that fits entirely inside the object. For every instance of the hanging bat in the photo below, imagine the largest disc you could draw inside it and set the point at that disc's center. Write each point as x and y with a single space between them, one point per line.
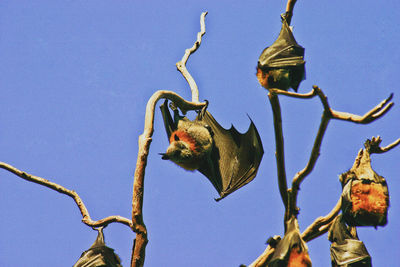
282 64
227 158
365 195
346 251
291 251
99 254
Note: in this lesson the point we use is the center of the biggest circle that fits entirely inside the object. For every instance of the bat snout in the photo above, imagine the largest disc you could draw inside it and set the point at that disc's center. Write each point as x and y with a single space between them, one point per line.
164 156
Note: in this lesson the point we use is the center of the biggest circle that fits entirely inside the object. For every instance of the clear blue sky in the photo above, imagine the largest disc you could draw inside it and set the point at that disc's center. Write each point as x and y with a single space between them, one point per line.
75 77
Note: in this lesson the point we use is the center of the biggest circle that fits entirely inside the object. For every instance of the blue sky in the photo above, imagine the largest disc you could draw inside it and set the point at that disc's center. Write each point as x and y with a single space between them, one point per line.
75 77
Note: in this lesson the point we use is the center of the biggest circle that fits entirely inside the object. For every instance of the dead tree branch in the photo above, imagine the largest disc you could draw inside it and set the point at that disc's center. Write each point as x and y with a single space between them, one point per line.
264 258
181 65
318 227
56 187
279 144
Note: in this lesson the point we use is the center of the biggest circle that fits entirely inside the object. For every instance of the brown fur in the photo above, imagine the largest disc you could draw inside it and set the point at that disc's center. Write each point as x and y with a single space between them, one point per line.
185 137
262 78
299 259
369 198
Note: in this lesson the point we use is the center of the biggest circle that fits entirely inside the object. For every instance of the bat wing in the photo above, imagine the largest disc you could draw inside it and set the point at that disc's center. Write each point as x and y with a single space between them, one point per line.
235 157
346 250
284 52
170 125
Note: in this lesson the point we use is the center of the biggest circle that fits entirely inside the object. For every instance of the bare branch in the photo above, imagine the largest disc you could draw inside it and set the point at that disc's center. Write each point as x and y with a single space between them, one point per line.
276 91
375 113
85 214
264 258
181 65
318 227
138 185
279 142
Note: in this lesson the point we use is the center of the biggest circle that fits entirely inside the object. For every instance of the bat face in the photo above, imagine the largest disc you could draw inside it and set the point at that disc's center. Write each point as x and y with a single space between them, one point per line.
365 203
190 145
282 64
227 158
346 250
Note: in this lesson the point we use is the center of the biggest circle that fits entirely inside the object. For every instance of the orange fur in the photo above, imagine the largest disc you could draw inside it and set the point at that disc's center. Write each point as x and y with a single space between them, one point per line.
369 198
262 78
184 137
299 259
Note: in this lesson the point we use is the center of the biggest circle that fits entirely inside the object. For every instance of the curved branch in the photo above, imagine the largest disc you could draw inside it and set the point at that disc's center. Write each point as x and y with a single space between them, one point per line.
181 65
375 113
318 228
138 253
279 143
56 187
310 94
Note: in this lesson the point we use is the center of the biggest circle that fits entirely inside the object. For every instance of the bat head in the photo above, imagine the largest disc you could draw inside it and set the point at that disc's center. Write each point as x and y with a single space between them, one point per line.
275 78
189 145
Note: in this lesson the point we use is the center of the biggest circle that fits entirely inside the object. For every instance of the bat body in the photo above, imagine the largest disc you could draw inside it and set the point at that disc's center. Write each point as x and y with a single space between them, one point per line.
365 195
227 158
346 250
282 64
291 251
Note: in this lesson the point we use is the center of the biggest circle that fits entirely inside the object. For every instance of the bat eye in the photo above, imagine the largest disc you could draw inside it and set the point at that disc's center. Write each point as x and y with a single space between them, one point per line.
176 137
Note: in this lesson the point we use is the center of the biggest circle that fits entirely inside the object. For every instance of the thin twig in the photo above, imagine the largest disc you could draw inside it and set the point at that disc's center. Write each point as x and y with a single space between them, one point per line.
315 229
279 143
85 213
181 65
138 253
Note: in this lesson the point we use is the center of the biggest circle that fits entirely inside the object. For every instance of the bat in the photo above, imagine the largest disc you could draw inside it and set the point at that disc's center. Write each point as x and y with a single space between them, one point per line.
99 255
346 251
282 64
291 251
227 158
365 195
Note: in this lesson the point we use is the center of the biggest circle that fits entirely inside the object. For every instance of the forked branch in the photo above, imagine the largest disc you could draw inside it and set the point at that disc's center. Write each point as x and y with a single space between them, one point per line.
56 187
